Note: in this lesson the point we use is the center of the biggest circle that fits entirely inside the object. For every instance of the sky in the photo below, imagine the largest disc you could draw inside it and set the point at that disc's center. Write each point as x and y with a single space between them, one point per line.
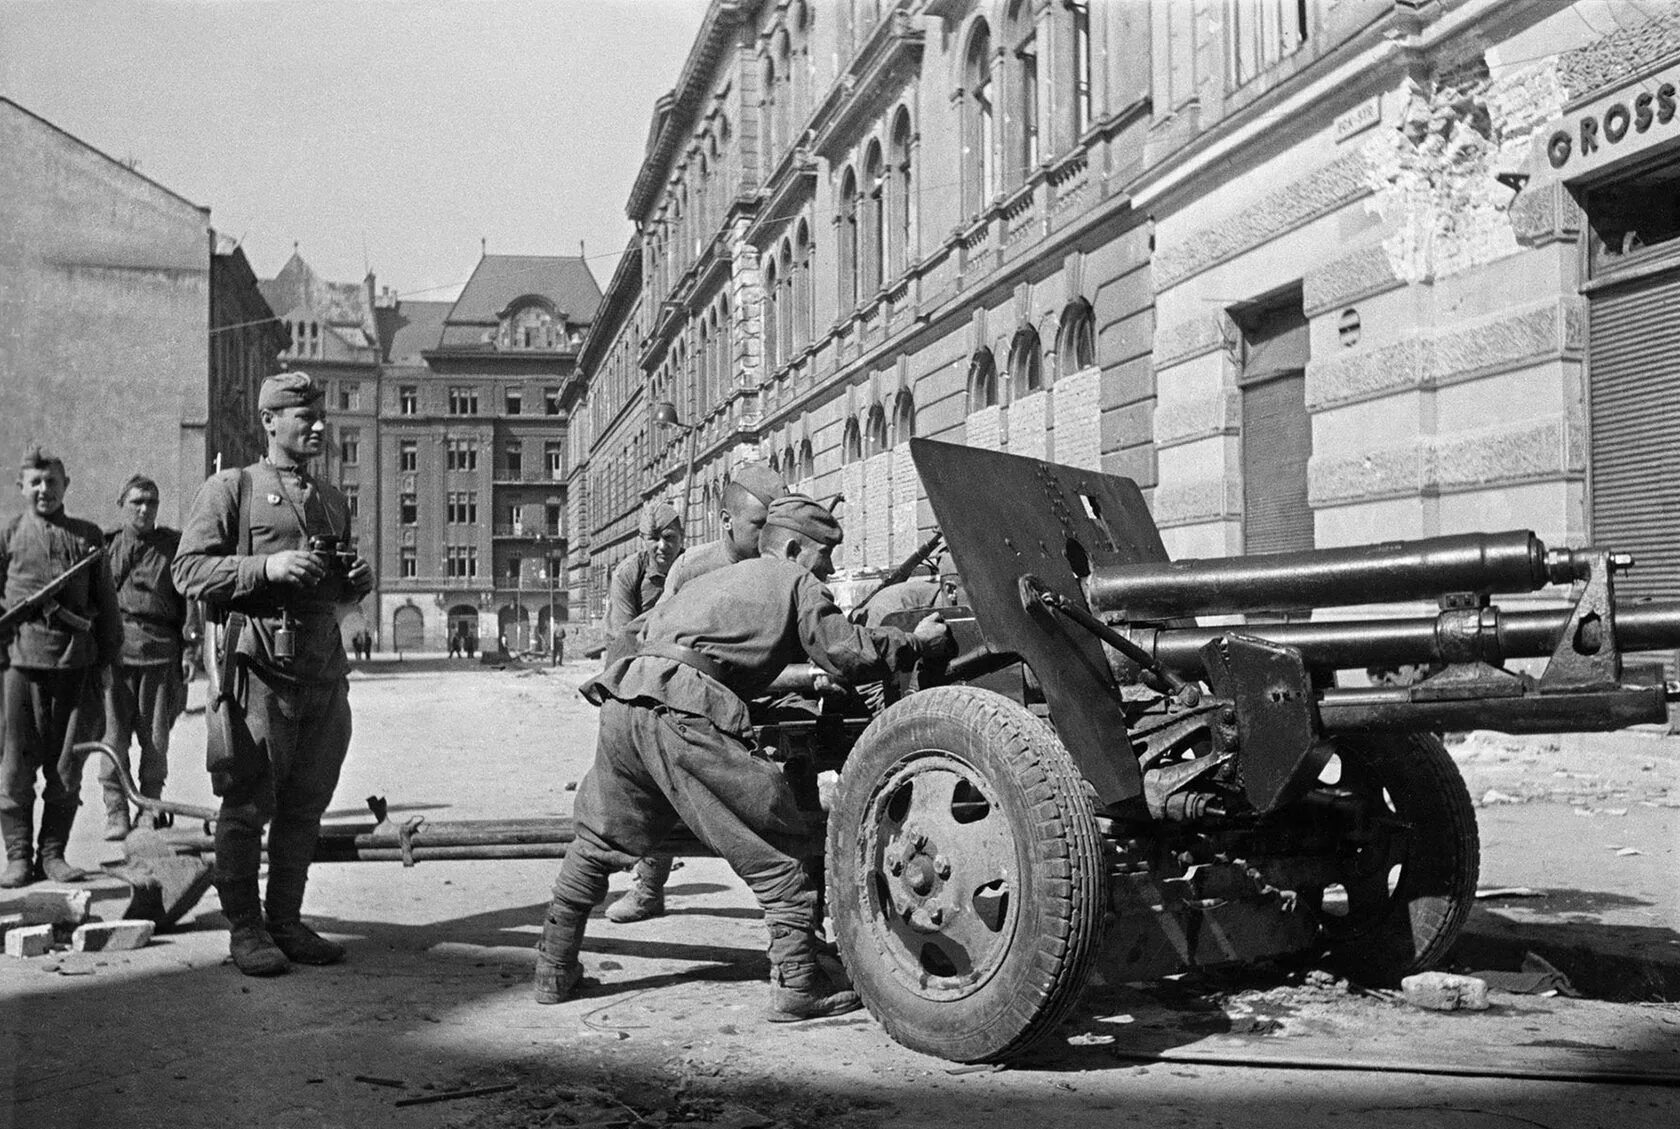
391 134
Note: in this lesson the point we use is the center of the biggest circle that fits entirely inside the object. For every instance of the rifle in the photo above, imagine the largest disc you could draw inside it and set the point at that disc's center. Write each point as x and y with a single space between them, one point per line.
42 599
904 571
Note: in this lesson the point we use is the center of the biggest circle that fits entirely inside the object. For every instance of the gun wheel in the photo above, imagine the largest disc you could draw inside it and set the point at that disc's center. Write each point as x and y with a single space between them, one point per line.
1408 880
966 874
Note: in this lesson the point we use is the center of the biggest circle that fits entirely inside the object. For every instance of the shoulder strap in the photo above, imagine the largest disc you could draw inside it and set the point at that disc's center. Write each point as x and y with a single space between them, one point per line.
245 510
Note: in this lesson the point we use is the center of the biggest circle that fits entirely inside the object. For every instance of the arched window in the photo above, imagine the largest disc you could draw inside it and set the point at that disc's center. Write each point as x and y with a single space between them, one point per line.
982 381
803 315
851 447
726 187
703 376
767 318
1026 372
807 461
785 303
702 206
846 240
900 248
904 419
799 19
874 214
1021 118
725 350
1076 339
979 126
877 431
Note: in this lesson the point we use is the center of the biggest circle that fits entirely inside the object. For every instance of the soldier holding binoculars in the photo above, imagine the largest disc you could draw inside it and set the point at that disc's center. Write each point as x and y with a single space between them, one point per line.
265 549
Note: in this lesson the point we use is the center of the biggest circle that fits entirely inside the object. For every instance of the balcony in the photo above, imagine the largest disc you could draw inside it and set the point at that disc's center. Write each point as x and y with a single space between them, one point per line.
529 532
508 476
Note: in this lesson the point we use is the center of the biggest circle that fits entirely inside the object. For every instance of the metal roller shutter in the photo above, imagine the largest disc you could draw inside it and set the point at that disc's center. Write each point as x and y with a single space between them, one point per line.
1634 471
1276 443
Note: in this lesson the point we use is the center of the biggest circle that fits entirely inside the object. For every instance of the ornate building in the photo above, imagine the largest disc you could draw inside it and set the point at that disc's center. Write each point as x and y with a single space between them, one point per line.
1311 272
473 454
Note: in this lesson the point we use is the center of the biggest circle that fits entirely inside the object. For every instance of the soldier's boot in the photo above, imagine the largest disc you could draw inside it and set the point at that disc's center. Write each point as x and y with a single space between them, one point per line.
558 968
802 990
18 828
646 896
290 847
238 856
56 820
117 823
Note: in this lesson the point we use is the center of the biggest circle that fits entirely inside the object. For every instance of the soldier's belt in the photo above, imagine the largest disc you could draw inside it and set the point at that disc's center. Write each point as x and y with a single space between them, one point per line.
688 656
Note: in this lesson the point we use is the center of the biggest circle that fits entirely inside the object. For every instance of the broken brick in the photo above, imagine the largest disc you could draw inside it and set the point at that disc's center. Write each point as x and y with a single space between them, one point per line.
29 941
1445 991
56 907
111 936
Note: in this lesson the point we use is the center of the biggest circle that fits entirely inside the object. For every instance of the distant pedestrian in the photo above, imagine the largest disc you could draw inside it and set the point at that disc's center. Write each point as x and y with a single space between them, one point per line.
146 691
53 661
557 655
454 644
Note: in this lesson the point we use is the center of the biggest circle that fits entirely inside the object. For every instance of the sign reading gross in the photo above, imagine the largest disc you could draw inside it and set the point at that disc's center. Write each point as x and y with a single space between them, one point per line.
1593 136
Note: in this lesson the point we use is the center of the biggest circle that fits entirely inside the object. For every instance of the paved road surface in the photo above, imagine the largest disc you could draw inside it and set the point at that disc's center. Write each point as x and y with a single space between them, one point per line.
434 997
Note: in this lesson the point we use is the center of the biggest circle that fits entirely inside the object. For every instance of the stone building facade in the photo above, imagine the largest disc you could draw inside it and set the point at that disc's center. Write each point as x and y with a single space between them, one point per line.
108 284
859 222
1313 273
473 464
246 341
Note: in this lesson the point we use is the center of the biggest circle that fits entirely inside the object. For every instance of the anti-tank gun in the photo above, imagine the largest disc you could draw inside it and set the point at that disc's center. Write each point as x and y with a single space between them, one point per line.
1097 781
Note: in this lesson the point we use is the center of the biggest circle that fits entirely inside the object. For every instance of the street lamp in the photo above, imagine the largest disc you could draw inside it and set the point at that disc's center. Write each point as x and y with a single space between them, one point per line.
665 415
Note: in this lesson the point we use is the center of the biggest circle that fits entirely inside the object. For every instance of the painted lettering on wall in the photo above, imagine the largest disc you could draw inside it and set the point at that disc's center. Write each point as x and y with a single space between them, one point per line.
1591 135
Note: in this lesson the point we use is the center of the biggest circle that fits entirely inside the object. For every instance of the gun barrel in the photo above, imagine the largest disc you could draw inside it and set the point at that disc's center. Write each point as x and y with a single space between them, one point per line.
1489 635
1394 571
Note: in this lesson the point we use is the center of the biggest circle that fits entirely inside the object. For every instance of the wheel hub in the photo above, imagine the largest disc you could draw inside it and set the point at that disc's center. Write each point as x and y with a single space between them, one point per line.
943 860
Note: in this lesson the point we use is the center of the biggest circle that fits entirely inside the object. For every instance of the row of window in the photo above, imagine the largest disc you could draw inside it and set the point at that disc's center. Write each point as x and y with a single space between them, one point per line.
463 400
461 508
462 454
460 562
1076 349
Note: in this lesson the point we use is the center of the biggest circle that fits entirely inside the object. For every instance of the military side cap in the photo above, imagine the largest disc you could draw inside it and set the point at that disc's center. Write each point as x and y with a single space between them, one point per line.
657 518
805 516
760 481
289 390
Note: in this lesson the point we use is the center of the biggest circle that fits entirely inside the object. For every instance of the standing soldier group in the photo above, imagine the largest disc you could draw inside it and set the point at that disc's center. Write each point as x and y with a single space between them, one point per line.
265 553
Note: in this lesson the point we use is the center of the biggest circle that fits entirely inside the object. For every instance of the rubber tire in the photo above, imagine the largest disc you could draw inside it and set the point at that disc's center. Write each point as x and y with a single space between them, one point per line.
1421 917
1043 956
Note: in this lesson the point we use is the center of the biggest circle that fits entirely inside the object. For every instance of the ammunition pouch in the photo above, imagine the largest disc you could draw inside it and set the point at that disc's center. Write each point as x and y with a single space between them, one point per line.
230 755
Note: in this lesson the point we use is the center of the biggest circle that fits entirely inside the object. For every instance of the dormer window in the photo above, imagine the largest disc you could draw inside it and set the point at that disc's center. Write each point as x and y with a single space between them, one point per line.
531 322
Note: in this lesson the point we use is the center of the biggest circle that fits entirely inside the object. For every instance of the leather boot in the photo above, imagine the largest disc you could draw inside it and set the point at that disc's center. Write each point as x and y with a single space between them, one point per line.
804 991
117 824
18 828
646 896
558 967
290 847
56 820
238 856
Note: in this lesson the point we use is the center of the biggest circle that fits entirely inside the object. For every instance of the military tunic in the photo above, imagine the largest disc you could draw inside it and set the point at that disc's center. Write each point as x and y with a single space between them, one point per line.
676 743
50 659
296 711
147 692
637 583
697 562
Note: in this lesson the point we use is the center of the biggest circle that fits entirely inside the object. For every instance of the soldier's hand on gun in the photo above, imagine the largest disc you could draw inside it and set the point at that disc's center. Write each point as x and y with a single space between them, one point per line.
294 566
935 638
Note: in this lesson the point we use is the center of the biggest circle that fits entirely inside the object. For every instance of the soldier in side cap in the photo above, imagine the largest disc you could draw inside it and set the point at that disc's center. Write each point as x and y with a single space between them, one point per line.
146 691
676 745
639 579
284 710
745 506
52 661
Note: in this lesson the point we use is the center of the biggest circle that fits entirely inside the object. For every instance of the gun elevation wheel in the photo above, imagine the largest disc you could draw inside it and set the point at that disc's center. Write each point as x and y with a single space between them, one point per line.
966 874
1408 875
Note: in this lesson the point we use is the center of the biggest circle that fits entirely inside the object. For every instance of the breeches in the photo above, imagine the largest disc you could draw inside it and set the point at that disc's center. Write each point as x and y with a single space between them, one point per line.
655 767
144 703
301 733
39 707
